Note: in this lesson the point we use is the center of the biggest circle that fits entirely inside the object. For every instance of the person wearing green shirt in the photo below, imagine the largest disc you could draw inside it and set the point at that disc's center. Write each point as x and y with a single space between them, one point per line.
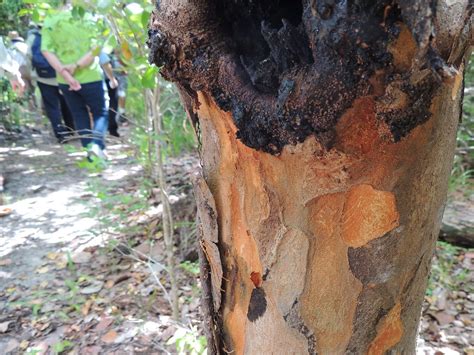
70 45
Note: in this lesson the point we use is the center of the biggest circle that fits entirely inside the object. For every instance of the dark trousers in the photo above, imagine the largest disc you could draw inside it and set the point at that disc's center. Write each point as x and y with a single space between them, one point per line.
113 107
89 99
67 115
56 107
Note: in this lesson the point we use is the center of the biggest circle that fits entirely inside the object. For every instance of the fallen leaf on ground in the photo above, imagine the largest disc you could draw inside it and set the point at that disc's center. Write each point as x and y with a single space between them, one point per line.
52 255
111 283
37 188
44 326
150 327
5 262
167 333
465 319
125 337
24 344
81 258
91 350
104 323
109 337
61 264
43 284
4 327
86 307
443 318
5 211
441 299
75 327
42 270
95 287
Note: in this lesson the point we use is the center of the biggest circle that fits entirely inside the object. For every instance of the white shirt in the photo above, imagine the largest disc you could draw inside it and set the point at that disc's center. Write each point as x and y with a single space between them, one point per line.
9 67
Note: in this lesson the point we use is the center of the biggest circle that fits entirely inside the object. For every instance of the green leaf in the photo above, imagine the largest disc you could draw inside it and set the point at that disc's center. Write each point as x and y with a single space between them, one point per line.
145 19
96 51
141 61
62 346
81 12
35 309
35 16
135 19
110 44
24 12
78 12
149 78
74 12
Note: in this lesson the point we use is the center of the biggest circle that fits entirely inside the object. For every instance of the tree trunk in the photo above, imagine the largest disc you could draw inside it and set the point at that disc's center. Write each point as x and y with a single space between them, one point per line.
328 131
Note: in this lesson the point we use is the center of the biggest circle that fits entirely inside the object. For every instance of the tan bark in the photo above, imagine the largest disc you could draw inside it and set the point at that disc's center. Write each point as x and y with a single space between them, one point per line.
341 240
317 238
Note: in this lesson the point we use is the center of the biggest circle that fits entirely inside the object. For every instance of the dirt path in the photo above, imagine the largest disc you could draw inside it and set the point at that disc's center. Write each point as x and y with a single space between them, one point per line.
47 193
43 187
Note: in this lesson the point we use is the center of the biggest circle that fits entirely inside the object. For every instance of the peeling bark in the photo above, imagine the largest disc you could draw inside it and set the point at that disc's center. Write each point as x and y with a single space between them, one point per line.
328 131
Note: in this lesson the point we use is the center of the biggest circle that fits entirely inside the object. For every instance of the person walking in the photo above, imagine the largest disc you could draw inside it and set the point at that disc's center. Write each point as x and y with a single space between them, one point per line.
70 44
18 50
10 69
45 76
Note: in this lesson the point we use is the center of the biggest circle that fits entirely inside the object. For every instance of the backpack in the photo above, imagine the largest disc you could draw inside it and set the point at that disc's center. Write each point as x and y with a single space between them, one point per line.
39 62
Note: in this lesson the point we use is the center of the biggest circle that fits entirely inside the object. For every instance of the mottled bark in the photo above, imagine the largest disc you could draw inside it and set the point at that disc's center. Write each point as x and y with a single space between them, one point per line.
328 130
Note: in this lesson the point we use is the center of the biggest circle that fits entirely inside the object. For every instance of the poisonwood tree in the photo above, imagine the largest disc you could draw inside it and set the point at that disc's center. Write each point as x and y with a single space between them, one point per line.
328 130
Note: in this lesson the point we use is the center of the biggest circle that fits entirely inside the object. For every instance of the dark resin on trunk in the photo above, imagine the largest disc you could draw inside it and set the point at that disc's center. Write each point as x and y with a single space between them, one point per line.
290 69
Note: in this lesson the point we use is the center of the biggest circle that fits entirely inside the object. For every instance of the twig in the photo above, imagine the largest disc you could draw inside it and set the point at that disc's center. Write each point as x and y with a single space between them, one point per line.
148 264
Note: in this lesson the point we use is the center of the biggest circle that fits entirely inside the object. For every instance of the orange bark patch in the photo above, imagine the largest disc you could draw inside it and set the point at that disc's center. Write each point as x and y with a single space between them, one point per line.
389 332
243 243
368 214
235 322
457 83
329 300
403 49
256 279
357 130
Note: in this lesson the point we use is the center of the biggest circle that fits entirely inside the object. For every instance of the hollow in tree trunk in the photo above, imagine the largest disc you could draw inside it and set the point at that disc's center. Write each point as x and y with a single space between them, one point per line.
327 133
